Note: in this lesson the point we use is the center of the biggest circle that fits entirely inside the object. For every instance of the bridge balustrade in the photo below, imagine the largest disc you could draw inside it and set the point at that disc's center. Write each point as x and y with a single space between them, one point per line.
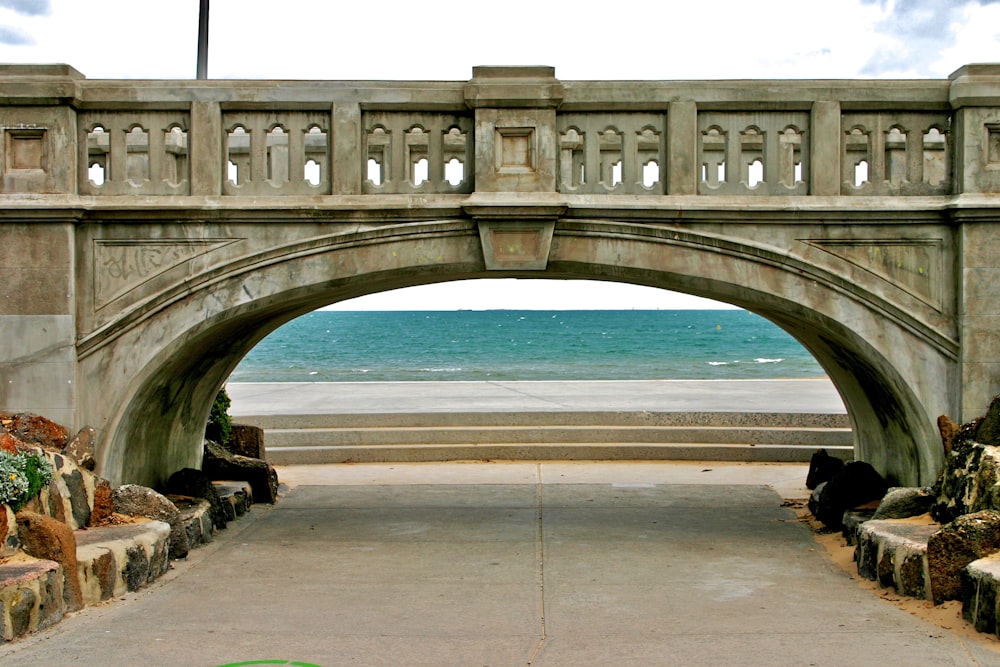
251 139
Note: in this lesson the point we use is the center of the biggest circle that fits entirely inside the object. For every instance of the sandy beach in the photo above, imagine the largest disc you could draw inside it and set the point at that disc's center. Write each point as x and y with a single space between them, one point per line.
775 396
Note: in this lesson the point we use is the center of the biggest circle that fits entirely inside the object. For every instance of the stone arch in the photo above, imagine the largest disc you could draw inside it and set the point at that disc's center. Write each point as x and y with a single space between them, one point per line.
196 331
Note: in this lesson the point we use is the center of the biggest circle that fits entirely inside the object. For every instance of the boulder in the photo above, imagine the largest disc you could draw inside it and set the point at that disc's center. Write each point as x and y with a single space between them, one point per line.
246 440
196 484
46 538
949 431
988 428
220 464
81 448
970 481
34 430
904 502
950 549
822 468
856 485
136 500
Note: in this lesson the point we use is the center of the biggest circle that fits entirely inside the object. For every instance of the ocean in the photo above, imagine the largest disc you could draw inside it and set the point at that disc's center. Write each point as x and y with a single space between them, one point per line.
525 345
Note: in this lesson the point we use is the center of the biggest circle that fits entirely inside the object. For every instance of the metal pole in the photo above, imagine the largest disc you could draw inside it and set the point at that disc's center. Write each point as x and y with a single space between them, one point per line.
203 40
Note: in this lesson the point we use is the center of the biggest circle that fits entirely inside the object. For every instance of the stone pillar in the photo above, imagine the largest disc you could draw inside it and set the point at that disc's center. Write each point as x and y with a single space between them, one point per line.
516 158
346 162
682 148
975 98
37 322
37 284
824 149
208 162
516 139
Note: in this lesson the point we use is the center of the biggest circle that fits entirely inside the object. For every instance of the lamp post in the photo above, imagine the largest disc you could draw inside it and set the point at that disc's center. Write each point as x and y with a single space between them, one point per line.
203 40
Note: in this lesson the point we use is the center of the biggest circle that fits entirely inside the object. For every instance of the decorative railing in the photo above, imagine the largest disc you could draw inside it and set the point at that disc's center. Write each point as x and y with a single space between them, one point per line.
237 139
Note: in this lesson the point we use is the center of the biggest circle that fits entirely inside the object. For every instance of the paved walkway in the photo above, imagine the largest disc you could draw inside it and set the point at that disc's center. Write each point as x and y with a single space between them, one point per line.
509 564
270 398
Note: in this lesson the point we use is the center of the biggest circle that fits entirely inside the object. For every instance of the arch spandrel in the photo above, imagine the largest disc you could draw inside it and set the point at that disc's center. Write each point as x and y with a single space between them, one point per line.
179 345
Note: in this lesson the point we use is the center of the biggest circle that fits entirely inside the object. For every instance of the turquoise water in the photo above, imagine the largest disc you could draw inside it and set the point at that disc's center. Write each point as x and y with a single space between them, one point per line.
335 346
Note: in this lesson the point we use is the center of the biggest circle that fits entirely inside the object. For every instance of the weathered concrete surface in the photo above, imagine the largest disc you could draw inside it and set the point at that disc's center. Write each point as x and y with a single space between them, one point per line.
557 564
152 280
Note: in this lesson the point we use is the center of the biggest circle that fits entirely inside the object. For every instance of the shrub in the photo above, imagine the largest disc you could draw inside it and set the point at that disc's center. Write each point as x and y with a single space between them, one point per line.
220 419
22 477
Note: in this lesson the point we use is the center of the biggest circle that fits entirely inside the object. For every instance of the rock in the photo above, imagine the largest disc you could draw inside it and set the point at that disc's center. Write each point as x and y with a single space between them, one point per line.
970 481
9 443
104 504
949 550
904 502
857 484
9 542
69 496
81 448
220 464
46 538
195 483
988 429
853 520
35 430
136 500
246 440
822 468
949 431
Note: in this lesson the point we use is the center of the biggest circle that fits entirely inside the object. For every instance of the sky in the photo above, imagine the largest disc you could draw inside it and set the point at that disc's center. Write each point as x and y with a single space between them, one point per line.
435 40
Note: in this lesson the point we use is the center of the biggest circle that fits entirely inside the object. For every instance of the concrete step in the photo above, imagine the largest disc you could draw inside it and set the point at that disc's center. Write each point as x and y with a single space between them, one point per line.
562 433
414 437
544 418
544 451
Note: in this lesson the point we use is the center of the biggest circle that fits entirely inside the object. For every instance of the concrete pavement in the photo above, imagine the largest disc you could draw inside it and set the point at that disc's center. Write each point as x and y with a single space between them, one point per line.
290 398
553 564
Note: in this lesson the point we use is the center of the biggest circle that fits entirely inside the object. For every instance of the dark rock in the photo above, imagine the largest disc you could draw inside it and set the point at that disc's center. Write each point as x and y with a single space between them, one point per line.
136 500
34 430
79 503
20 612
822 468
246 440
853 519
904 502
988 429
136 572
814 498
44 537
195 483
220 464
81 448
911 580
857 484
949 550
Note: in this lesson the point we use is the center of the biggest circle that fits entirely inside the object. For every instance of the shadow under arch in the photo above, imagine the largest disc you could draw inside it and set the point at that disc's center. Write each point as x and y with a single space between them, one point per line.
877 355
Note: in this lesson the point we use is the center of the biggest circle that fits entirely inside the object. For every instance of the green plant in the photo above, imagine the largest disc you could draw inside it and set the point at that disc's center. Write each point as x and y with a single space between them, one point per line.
220 416
22 477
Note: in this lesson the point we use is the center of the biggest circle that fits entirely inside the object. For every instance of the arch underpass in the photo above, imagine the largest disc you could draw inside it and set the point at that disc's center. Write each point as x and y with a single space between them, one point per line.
200 242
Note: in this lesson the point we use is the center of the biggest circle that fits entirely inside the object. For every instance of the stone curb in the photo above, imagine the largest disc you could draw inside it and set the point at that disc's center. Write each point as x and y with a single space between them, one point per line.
113 560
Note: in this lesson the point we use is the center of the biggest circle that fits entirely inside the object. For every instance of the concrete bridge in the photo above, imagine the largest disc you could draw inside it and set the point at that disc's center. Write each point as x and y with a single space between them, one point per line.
152 232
